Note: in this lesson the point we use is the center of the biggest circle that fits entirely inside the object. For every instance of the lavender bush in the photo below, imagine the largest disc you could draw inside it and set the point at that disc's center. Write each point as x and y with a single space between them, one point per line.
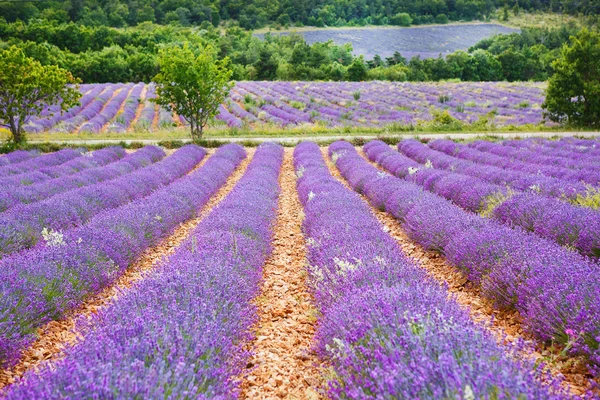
89 160
550 218
17 156
554 289
180 332
45 282
13 196
386 328
44 161
22 226
330 104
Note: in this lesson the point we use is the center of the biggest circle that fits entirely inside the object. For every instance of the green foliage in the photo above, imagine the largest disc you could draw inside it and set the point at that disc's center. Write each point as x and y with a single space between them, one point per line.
441 19
573 93
192 84
401 19
357 71
27 87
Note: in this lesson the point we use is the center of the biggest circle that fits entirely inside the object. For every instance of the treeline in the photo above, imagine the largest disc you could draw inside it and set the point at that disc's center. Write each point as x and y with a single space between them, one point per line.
250 14
102 54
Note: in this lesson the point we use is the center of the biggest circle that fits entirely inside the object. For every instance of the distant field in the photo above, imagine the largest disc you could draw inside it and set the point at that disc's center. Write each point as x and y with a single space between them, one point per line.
125 110
426 41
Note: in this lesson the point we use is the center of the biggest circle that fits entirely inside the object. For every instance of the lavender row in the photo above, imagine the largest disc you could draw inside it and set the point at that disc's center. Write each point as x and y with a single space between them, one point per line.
296 104
560 174
585 169
108 111
87 113
36 163
567 147
17 156
44 283
521 181
46 122
13 196
387 329
555 290
550 218
180 332
88 160
125 117
23 226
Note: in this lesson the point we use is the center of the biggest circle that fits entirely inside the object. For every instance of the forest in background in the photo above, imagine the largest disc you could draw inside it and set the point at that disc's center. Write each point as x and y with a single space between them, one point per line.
252 14
98 54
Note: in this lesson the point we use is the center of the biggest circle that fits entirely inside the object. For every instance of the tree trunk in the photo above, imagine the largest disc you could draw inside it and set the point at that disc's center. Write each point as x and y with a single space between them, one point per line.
16 131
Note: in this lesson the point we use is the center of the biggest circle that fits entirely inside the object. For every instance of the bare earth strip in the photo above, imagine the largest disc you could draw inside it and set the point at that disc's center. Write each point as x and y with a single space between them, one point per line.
504 325
283 365
55 336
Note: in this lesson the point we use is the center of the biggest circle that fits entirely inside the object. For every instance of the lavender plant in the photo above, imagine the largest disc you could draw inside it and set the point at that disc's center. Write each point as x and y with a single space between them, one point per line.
386 328
45 282
180 333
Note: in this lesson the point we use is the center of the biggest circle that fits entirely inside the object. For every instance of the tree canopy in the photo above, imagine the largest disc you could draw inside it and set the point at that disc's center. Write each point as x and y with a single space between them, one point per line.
27 88
573 94
193 85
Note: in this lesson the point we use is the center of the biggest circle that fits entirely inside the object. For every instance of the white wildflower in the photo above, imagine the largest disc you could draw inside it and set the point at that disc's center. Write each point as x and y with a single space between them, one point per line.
311 195
300 172
468 393
53 238
310 242
158 218
412 170
381 174
345 266
80 240
536 188
428 164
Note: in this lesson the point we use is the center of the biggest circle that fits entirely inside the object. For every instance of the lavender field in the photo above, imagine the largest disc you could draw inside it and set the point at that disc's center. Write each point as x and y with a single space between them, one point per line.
121 108
117 266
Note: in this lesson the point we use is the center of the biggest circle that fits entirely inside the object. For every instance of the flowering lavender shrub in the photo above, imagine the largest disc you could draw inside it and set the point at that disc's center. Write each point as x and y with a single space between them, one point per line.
517 180
89 160
43 283
553 219
13 196
554 289
387 329
21 227
550 218
17 156
507 160
33 164
180 332
299 104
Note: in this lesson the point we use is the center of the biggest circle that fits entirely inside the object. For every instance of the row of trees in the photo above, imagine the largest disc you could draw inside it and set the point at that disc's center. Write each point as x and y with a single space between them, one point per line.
109 55
251 14
194 82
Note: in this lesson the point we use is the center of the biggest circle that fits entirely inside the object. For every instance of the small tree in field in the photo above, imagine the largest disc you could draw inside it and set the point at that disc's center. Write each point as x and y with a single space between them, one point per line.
192 85
27 87
573 93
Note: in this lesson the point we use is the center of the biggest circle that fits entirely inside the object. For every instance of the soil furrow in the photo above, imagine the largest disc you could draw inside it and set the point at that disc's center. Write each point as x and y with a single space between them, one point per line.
283 365
504 325
55 336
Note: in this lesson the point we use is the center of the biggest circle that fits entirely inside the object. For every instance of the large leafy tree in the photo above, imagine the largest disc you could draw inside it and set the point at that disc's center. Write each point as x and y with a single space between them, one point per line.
27 87
573 93
193 85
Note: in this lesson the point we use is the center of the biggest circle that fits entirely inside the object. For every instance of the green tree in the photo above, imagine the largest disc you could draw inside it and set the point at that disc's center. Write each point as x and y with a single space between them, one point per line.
193 85
357 71
27 87
573 93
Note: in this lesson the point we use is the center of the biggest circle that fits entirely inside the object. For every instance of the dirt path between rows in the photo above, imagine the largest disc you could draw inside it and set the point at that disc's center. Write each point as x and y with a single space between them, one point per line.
55 336
504 325
283 365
